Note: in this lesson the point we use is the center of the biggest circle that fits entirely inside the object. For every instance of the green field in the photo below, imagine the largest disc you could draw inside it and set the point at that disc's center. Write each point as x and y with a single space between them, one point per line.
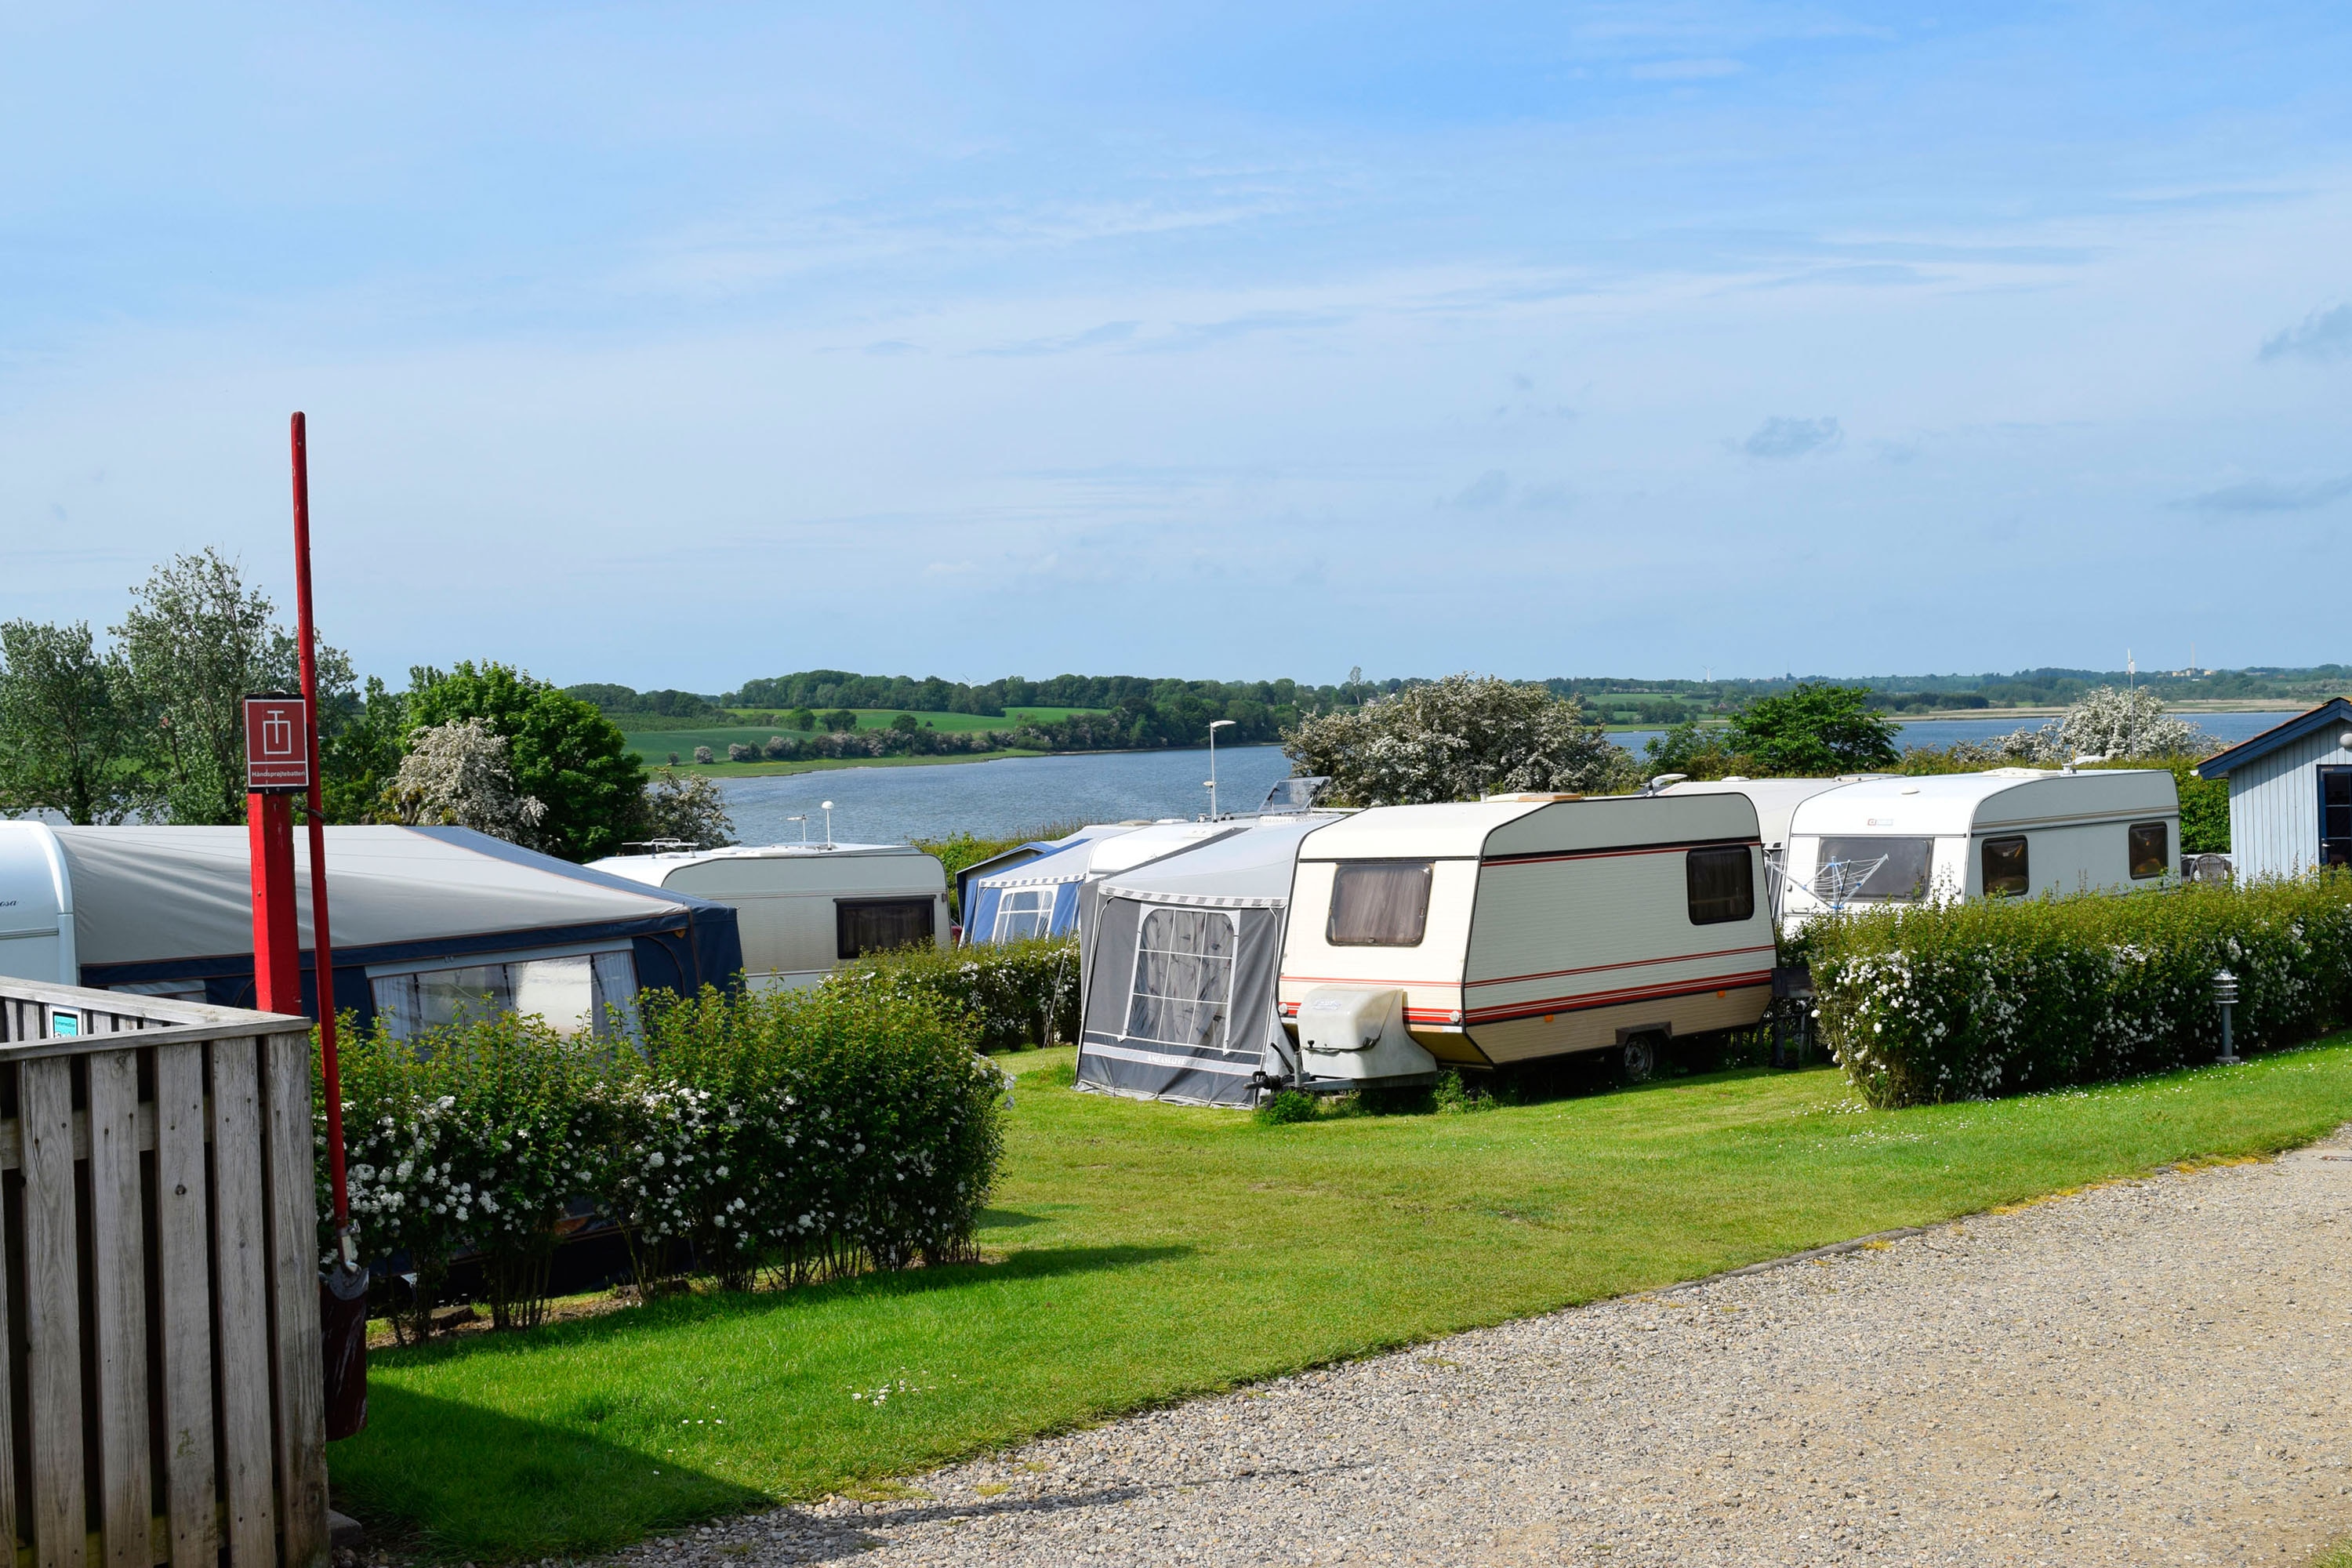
1142 1253
655 746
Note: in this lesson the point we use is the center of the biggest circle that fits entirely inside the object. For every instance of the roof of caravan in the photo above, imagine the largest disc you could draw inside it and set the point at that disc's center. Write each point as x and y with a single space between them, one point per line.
1775 800
1528 827
1020 855
1109 855
143 894
655 869
1252 866
1953 804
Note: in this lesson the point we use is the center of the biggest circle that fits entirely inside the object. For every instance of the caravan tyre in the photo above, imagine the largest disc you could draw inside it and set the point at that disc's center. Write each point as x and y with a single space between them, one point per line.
1637 1059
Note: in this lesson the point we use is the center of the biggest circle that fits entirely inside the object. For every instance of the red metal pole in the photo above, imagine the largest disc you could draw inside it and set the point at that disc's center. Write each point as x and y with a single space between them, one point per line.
277 940
322 951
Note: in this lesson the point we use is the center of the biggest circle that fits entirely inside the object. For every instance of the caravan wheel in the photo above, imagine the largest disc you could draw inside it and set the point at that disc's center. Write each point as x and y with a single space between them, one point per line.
1637 1059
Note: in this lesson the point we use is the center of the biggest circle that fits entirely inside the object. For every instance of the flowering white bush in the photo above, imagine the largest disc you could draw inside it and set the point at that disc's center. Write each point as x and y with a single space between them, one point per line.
2108 722
459 775
1966 1000
1458 739
797 1135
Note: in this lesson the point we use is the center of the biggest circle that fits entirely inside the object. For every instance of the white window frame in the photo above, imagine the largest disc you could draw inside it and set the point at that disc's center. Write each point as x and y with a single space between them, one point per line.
1135 979
1043 914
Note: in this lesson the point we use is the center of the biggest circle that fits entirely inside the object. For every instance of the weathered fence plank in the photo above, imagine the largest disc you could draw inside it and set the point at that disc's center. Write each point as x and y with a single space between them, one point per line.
118 1248
52 1312
241 1306
183 1230
294 1308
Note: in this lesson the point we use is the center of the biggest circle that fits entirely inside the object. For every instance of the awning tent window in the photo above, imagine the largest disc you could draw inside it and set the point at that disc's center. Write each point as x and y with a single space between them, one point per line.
1022 913
576 994
1183 986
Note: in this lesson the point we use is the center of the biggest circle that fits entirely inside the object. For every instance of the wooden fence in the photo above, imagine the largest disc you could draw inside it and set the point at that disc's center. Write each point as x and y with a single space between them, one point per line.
164 1394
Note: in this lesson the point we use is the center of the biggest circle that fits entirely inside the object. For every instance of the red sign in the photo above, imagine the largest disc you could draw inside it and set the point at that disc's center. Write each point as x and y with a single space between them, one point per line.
277 744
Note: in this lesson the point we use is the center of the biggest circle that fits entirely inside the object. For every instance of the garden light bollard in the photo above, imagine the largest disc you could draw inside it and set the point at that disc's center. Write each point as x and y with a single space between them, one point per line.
2225 994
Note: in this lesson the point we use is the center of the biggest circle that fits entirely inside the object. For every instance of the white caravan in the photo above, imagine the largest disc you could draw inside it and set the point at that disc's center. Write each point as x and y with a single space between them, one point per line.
1523 927
1776 802
2007 831
804 909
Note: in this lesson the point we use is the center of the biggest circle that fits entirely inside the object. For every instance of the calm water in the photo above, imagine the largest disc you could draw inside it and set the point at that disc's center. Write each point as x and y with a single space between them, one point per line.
889 806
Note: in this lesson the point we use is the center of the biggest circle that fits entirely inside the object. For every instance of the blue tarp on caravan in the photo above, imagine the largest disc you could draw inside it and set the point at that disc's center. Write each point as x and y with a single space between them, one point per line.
426 920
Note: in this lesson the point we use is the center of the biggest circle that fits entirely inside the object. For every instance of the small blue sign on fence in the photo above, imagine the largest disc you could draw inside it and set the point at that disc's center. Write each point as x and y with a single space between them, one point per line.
64 1025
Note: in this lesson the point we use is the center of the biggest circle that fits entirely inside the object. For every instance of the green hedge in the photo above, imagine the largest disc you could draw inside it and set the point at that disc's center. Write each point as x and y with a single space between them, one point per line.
796 1136
1966 1000
1015 993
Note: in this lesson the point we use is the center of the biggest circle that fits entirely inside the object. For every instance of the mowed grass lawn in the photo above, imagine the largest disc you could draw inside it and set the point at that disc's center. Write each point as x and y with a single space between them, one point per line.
1146 1252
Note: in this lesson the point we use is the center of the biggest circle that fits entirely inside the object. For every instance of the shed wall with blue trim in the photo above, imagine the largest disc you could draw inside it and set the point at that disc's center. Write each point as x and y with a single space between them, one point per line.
2290 794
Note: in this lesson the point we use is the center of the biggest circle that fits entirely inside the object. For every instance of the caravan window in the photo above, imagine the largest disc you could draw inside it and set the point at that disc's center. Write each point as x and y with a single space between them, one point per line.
877 925
1183 978
2151 849
575 994
1024 913
1379 903
2005 872
1722 885
1869 868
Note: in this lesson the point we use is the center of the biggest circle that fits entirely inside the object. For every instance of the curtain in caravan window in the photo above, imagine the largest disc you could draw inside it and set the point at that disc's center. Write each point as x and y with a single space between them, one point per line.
615 982
1183 986
571 993
1380 903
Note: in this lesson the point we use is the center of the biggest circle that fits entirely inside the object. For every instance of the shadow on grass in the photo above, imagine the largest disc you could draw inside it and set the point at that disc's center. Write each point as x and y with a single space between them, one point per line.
675 1311
457 1482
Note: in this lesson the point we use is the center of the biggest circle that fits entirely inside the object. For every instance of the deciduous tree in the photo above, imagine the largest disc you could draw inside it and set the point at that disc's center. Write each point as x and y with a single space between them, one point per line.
564 753
63 744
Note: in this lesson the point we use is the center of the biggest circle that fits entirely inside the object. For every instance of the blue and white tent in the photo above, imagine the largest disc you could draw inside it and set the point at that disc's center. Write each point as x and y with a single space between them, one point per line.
1006 861
1041 896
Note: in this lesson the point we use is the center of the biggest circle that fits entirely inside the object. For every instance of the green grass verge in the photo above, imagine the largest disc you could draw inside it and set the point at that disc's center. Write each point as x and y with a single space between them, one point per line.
1150 1252
655 744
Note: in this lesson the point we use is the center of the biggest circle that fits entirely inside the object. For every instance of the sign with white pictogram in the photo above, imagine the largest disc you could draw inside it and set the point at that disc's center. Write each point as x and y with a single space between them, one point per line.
276 745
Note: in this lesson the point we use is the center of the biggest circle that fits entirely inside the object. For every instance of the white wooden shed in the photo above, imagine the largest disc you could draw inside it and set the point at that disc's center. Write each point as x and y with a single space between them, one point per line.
2290 794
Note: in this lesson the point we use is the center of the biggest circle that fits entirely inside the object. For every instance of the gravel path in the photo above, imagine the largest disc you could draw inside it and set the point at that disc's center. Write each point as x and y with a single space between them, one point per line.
2147 1372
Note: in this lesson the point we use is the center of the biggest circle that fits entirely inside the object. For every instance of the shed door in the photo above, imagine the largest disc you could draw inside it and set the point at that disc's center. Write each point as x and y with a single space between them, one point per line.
2335 817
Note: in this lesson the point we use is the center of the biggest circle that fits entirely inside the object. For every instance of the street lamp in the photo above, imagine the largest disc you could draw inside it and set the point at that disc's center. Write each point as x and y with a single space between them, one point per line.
827 807
1214 725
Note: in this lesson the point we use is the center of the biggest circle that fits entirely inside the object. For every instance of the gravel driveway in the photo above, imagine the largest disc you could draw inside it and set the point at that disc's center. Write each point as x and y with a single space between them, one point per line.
2148 1373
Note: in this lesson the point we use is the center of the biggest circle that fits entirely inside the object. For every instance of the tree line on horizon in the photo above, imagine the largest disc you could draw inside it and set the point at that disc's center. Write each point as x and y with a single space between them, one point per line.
1609 698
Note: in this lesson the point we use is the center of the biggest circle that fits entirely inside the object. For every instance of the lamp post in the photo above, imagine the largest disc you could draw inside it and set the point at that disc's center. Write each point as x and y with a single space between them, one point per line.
826 806
2225 993
1214 725
802 820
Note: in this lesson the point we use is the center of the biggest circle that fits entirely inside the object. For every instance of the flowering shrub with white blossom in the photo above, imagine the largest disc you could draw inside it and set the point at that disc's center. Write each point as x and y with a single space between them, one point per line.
474 1137
1016 993
795 1136
1964 1001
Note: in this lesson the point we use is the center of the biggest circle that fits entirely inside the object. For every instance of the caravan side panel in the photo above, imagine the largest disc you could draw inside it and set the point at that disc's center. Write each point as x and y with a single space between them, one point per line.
785 905
1573 951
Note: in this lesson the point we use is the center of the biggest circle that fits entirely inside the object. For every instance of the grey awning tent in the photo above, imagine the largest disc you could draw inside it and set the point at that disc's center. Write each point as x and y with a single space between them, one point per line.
1179 968
169 911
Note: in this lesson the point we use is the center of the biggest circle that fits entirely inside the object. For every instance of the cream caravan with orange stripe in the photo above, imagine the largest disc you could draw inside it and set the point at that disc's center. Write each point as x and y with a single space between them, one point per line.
1532 926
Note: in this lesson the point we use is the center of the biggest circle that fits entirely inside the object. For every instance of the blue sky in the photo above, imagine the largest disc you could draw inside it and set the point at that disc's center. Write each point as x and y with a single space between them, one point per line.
676 345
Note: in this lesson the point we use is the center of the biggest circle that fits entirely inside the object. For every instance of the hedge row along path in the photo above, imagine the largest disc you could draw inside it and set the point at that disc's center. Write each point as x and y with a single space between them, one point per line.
2145 1372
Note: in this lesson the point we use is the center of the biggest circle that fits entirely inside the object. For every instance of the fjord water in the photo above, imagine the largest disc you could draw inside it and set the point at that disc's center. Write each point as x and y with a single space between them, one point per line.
1020 794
